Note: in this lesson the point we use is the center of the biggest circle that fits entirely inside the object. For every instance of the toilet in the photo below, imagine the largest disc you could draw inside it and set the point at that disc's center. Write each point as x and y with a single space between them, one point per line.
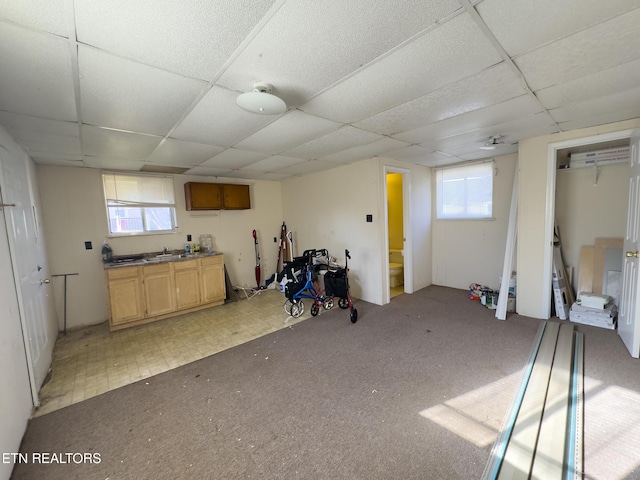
396 268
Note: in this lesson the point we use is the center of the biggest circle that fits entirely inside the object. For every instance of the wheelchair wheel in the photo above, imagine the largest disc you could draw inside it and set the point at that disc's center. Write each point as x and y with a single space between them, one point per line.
343 303
297 309
314 309
354 315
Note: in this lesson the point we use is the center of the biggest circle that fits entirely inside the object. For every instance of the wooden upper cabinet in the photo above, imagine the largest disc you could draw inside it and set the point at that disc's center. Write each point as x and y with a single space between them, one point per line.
216 196
236 197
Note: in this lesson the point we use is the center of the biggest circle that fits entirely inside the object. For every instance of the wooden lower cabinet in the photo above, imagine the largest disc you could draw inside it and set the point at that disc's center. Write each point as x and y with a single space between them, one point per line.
187 281
142 294
125 295
159 292
212 284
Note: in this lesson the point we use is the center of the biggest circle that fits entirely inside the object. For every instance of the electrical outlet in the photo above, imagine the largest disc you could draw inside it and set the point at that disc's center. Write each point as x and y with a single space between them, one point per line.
188 238
88 246
369 218
275 240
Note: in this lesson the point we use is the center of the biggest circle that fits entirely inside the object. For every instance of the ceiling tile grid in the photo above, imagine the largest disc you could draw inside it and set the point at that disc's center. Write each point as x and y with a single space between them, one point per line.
125 85
35 77
194 39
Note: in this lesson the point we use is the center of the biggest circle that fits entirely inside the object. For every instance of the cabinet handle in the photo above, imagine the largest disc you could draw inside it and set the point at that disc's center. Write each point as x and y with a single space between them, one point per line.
7 205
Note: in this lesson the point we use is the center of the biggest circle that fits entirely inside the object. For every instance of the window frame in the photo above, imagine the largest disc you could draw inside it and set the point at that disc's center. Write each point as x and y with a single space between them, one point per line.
465 216
170 203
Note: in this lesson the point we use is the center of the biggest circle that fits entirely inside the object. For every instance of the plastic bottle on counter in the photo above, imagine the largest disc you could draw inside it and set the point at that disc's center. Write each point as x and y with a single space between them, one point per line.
107 252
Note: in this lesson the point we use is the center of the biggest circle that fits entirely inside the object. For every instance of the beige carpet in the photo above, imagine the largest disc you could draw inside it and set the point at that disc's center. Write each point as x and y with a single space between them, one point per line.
417 389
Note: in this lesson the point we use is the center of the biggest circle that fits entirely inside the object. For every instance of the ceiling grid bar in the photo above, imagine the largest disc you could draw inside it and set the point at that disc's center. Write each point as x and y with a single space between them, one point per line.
471 10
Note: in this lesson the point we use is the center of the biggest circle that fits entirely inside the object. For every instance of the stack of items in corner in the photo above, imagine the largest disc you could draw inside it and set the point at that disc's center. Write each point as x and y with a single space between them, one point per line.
594 309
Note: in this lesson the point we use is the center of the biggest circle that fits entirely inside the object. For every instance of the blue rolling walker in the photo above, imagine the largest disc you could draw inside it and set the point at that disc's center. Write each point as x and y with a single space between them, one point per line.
336 285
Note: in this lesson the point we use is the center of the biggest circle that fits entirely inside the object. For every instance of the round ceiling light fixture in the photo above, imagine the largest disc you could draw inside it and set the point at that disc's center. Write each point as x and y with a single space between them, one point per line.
493 142
261 100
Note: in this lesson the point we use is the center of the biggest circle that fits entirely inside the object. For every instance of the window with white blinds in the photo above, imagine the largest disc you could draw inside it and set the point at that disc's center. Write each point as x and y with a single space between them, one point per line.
138 204
465 191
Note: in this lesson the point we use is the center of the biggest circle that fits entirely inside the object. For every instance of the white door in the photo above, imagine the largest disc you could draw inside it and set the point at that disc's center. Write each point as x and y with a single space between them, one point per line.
629 314
30 269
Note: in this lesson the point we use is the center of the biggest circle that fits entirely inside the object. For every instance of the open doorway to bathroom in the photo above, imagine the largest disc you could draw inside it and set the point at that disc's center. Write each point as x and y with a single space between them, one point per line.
395 233
397 278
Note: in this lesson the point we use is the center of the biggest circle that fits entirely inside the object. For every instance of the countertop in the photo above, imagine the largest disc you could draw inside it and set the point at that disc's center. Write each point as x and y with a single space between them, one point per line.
153 258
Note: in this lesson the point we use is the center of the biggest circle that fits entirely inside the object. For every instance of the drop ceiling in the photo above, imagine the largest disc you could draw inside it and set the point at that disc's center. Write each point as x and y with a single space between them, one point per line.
152 85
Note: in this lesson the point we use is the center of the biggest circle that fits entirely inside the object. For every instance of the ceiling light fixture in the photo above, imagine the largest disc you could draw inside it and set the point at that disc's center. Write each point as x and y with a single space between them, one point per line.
492 143
261 100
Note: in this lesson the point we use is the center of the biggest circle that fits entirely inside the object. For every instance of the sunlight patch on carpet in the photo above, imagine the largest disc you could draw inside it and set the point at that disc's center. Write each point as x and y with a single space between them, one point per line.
478 415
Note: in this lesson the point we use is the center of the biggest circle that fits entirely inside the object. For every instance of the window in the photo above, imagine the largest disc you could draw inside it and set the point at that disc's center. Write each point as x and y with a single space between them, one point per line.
465 191
138 204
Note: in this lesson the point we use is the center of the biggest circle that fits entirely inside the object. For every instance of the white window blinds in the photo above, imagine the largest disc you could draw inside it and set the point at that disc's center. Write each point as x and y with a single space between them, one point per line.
465 191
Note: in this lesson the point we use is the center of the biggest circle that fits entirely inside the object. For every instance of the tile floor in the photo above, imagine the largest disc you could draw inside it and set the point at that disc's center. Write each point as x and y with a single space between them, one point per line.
93 360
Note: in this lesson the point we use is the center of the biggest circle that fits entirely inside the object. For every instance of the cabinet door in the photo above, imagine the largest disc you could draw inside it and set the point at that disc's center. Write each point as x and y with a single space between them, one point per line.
187 286
125 295
159 292
203 196
236 197
212 275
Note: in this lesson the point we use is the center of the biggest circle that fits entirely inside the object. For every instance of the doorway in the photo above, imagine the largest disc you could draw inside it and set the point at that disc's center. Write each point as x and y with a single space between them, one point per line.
594 178
398 258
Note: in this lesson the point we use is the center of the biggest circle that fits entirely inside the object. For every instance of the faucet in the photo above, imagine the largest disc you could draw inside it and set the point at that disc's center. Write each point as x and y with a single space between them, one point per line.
164 250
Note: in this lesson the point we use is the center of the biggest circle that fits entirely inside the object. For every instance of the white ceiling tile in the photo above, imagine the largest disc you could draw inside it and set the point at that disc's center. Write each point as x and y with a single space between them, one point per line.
341 139
58 162
308 46
208 171
509 131
178 152
192 38
232 159
16 123
363 152
310 166
619 102
244 174
521 26
603 46
599 84
274 176
417 154
454 50
273 163
480 154
35 78
53 144
113 163
493 85
122 94
218 120
495 114
102 142
290 130
47 15
49 155
603 119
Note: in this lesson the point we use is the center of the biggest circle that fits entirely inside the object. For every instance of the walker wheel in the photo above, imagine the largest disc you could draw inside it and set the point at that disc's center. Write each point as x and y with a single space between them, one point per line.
287 306
297 309
354 315
314 309
328 304
343 303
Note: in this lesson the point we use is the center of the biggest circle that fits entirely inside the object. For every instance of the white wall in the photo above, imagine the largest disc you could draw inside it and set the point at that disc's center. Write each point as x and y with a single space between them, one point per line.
329 210
472 251
74 212
533 212
15 393
585 211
